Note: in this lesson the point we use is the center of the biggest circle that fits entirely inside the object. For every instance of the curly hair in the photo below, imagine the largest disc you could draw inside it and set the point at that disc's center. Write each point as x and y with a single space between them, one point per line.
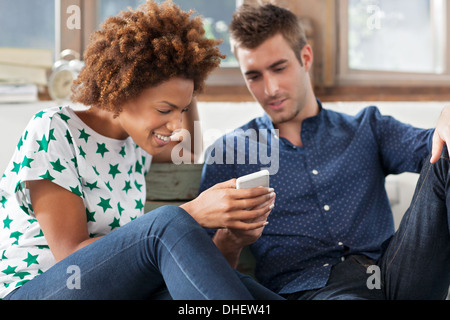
141 48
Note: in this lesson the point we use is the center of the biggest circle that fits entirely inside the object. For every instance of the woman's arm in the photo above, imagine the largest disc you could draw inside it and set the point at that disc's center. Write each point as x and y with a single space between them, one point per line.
62 217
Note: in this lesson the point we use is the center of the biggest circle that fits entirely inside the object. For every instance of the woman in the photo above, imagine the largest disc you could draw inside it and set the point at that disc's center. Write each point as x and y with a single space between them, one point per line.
72 197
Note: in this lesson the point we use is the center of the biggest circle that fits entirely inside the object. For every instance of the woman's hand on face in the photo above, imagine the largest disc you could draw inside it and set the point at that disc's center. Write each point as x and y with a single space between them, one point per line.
224 206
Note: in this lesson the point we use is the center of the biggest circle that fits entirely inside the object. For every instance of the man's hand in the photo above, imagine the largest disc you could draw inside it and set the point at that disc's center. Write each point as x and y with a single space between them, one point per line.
441 135
244 238
231 241
239 214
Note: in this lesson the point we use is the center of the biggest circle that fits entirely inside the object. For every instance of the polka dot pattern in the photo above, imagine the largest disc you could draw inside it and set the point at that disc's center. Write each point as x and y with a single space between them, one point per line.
331 201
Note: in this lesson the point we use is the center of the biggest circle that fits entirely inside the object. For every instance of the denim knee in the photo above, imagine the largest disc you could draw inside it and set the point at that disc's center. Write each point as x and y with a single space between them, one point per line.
171 212
171 217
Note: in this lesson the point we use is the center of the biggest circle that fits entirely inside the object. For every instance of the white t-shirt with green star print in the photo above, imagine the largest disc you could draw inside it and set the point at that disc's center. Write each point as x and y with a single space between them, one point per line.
108 174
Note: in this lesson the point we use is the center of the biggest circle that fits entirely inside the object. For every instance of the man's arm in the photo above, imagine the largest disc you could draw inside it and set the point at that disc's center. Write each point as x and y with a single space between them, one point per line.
228 240
227 244
401 146
231 241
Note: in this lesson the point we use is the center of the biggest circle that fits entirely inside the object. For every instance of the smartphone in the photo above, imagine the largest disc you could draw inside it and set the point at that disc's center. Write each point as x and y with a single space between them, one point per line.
257 179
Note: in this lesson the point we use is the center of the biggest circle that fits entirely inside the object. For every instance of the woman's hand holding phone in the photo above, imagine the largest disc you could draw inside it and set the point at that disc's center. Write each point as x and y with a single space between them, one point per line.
223 206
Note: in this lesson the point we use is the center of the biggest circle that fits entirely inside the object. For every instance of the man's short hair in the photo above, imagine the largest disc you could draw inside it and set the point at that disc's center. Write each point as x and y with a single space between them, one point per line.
252 24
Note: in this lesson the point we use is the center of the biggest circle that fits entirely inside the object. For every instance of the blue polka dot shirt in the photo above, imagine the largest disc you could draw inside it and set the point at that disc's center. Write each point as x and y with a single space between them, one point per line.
331 200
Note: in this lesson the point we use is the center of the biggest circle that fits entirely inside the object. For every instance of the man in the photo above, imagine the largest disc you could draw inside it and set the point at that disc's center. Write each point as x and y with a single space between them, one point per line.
332 226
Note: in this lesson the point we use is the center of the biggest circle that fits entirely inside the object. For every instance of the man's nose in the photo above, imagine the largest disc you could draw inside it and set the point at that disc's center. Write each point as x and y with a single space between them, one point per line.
271 86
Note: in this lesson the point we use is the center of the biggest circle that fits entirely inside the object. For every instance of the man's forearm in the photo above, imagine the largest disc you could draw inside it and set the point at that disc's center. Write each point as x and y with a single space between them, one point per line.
224 241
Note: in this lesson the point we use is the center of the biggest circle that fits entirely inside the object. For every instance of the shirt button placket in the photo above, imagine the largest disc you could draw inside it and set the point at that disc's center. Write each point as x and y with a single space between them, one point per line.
341 244
326 207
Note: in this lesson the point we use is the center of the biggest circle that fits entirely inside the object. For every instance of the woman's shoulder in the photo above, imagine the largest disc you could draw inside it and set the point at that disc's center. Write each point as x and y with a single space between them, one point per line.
53 116
46 129
48 114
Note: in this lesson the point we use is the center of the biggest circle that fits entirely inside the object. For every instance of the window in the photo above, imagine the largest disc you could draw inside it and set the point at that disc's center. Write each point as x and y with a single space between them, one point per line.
387 42
217 15
67 24
27 24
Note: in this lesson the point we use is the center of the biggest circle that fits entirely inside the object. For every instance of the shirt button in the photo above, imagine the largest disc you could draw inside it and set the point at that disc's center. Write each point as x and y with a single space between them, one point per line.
326 208
315 172
340 244
326 264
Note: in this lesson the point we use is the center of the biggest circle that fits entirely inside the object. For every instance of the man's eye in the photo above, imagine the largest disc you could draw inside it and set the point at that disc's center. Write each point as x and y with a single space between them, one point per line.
280 69
252 78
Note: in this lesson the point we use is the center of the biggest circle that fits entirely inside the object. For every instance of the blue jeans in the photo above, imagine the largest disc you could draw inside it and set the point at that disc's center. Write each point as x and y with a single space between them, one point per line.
164 254
416 262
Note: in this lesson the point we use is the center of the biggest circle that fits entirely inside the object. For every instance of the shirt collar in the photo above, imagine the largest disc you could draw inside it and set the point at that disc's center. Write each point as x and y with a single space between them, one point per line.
268 124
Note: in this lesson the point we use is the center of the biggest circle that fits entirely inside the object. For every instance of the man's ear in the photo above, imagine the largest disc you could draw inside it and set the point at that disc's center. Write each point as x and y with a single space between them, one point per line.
307 56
